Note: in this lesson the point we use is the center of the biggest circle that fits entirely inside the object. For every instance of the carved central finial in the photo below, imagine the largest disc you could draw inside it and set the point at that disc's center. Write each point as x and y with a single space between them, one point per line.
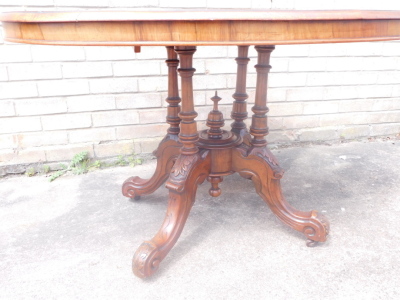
215 120
216 99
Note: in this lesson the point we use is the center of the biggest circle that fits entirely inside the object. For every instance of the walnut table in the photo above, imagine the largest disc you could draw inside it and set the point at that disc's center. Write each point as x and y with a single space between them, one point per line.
186 157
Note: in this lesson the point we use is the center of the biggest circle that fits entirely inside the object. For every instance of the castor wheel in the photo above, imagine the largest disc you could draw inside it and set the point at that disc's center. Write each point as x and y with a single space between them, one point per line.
311 243
136 198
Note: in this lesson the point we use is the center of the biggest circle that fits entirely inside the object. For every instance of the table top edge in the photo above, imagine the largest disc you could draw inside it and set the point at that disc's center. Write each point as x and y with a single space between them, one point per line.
196 15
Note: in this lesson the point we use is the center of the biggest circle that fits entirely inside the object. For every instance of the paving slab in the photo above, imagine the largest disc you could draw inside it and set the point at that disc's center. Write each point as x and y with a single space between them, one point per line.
74 238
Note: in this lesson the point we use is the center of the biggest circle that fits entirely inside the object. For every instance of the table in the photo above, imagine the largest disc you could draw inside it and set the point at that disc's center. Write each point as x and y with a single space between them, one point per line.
186 157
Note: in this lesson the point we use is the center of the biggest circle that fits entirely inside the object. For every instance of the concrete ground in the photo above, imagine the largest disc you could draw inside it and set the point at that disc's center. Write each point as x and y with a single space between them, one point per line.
74 238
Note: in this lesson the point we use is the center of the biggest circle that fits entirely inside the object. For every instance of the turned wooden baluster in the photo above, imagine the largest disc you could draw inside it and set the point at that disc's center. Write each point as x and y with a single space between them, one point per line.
259 126
239 110
169 147
173 98
188 135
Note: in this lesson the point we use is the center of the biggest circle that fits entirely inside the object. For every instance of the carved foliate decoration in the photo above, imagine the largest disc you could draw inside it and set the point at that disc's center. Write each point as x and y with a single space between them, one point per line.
183 164
182 168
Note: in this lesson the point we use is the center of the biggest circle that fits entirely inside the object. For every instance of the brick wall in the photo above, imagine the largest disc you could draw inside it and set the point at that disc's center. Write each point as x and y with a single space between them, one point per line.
58 101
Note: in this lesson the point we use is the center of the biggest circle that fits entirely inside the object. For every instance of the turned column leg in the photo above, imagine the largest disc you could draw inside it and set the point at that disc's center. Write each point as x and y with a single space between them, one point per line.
169 147
259 128
173 98
190 169
188 135
256 162
239 108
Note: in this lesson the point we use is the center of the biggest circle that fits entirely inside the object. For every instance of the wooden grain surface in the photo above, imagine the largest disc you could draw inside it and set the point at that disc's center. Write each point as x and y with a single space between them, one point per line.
196 27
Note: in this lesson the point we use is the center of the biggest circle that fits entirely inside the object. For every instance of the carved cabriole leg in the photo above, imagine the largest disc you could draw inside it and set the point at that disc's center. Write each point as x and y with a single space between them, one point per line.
191 168
166 153
239 109
169 147
256 162
188 172
265 173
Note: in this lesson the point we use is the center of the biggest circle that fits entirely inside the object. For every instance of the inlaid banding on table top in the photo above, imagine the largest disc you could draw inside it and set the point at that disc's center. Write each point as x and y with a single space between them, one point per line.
201 32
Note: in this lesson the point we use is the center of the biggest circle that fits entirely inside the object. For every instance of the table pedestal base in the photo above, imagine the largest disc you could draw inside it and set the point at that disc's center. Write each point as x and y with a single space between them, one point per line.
187 158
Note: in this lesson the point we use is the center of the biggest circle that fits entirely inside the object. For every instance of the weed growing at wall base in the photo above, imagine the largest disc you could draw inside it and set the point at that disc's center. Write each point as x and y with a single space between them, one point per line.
81 164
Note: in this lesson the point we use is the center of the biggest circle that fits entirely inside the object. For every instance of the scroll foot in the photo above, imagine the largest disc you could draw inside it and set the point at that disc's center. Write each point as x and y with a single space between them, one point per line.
260 165
166 154
189 171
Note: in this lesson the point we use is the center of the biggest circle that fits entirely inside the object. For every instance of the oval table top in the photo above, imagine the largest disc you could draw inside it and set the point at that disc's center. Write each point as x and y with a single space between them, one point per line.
200 27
